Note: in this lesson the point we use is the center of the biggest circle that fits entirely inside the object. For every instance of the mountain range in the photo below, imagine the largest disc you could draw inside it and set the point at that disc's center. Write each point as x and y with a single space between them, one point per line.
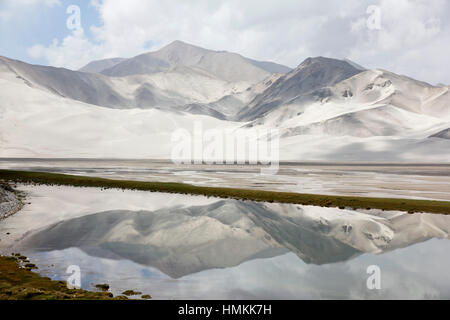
324 109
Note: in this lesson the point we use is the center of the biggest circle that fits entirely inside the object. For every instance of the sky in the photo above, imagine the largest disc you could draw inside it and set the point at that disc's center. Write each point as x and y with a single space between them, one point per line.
410 37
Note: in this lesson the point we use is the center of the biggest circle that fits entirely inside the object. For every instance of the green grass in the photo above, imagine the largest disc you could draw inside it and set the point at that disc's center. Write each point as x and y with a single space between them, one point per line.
408 205
19 283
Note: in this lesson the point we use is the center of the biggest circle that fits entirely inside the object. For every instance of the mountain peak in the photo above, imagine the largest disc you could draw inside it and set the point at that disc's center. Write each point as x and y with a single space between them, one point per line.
225 66
312 74
323 71
322 61
178 42
181 46
311 60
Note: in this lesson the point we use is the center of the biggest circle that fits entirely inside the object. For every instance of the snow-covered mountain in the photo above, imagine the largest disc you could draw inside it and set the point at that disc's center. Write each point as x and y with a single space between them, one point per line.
325 109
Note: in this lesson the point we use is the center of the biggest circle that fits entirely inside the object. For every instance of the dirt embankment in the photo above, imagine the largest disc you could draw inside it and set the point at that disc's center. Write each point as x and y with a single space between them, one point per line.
10 201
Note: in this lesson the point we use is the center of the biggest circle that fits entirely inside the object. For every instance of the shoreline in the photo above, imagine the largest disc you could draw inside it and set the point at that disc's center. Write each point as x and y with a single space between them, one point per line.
11 201
281 162
18 282
352 202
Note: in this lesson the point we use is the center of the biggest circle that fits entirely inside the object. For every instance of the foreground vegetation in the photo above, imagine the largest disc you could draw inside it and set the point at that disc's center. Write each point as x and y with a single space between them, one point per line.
408 205
18 282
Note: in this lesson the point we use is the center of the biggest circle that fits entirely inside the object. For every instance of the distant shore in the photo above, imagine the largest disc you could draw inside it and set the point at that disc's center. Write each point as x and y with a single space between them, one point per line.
281 162
350 202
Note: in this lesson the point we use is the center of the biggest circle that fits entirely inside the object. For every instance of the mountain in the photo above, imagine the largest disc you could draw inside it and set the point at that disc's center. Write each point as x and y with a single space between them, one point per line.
86 87
178 77
325 109
175 89
229 105
370 103
373 115
223 65
312 74
354 64
99 65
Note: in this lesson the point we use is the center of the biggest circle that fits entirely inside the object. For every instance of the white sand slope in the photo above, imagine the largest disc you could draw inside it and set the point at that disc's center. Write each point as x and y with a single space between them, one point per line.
36 123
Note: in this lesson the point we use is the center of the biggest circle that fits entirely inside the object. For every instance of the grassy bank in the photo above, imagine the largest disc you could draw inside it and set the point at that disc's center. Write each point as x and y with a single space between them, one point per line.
411 206
17 282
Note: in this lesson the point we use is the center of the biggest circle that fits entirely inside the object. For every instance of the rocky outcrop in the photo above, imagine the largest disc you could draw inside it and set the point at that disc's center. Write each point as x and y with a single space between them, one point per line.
9 204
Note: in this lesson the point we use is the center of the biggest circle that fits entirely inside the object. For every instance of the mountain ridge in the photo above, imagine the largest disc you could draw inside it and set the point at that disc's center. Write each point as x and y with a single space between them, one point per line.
98 66
179 53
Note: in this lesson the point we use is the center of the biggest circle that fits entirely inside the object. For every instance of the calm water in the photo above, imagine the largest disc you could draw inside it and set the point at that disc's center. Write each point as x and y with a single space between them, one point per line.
185 247
420 181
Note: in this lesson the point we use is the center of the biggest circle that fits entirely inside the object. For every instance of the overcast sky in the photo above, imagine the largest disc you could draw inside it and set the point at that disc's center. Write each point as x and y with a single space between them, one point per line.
410 37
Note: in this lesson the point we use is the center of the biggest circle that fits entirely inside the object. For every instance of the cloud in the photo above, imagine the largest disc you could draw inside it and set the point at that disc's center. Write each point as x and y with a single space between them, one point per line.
74 51
13 8
414 39
254 28
257 29
288 32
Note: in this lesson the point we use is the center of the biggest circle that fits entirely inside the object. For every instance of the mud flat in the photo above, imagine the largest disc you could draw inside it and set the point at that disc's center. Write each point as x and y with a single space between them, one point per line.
428 181
353 202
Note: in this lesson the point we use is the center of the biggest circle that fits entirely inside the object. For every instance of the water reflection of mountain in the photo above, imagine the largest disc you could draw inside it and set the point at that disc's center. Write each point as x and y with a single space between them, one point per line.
180 241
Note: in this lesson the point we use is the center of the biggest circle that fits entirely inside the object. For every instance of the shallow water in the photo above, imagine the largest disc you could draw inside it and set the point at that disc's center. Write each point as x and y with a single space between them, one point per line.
193 247
415 181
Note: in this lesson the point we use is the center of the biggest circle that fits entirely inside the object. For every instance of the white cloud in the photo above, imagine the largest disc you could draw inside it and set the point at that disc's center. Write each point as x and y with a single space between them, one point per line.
285 32
73 51
11 8
414 39
257 29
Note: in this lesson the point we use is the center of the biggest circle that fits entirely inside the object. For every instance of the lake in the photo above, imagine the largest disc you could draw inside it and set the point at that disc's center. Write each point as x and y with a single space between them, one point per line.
193 247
